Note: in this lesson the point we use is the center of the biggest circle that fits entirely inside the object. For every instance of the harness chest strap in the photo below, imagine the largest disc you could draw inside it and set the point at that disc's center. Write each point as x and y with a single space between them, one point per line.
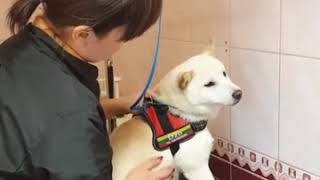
169 130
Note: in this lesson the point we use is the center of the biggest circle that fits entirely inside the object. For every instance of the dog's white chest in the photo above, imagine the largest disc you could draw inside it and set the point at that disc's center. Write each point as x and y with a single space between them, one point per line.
195 152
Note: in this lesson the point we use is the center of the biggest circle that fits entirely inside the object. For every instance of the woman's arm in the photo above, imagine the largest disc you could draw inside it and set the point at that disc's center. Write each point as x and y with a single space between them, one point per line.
113 107
118 106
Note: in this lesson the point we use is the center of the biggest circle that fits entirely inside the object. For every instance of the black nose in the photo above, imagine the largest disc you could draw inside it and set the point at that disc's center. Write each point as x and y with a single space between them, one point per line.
237 94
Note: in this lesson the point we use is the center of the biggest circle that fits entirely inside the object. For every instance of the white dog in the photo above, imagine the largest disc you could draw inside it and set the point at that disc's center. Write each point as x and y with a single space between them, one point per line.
193 90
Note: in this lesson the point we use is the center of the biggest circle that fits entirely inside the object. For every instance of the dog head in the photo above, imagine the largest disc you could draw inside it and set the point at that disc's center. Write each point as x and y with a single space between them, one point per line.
200 85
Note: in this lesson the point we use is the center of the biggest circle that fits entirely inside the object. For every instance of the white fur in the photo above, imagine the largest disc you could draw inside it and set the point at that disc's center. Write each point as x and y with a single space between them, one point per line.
132 142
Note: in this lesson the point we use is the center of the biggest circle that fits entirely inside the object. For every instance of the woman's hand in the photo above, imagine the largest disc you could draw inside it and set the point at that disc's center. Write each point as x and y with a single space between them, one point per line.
132 98
151 94
145 171
127 101
113 107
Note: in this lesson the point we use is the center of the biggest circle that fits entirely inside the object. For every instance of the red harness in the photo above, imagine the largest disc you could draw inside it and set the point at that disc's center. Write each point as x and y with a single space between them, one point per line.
168 130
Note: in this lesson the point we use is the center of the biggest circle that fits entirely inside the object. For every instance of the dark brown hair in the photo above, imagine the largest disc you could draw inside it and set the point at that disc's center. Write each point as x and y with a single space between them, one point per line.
101 15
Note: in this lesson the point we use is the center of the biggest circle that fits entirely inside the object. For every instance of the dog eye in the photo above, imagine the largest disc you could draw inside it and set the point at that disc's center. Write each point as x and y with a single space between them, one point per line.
224 74
210 84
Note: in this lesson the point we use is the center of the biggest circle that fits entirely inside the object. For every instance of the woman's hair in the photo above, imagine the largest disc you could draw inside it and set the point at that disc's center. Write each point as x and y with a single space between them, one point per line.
101 15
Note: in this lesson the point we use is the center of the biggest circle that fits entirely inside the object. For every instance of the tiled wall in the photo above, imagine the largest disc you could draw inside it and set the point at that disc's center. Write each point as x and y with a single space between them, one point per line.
271 48
274 57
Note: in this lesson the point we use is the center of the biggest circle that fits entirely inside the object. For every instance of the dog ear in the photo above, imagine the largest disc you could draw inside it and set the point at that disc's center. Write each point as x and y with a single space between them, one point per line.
210 49
184 79
154 92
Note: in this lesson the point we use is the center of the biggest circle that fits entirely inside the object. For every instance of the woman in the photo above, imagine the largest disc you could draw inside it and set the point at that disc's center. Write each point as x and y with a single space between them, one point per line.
51 122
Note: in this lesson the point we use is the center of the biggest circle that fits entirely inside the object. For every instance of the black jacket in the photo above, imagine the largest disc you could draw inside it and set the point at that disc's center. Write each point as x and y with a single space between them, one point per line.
51 123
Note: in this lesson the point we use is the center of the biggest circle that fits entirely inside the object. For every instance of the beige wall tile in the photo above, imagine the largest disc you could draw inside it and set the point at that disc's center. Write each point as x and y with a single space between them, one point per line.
175 52
152 32
176 21
210 21
4 31
220 126
102 84
133 62
101 67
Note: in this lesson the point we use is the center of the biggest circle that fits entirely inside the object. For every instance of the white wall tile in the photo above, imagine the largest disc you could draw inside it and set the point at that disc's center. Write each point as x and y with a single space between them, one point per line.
210 21
255 24
301 27
254 122
220 126
299 113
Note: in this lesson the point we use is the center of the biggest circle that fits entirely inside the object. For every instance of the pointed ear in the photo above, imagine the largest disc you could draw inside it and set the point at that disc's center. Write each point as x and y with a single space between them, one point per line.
154 92
184 79
210 49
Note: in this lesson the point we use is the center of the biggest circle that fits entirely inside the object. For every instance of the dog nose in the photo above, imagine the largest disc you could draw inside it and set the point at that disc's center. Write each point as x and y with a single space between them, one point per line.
237 94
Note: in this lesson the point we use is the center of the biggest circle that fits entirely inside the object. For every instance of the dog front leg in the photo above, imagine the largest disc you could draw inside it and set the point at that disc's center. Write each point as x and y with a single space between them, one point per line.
202 173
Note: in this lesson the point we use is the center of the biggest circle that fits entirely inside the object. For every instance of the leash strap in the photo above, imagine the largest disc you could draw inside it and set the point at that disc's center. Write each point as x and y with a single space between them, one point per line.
135 105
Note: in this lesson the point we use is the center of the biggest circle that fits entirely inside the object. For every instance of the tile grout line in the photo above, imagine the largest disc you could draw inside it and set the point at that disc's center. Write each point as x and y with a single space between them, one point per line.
255 50
228 24
241 48
277 53
298 168
221 159
279 87
233 142
301 56
189 41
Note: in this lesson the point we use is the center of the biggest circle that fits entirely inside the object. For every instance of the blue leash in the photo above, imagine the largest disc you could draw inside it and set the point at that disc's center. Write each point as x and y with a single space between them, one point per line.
135 106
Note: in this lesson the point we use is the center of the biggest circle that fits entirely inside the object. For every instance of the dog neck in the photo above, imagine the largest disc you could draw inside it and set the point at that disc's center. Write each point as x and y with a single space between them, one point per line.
189 117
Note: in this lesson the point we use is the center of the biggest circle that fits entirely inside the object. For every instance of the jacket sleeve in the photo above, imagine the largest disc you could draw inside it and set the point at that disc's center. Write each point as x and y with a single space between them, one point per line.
75 147
13 145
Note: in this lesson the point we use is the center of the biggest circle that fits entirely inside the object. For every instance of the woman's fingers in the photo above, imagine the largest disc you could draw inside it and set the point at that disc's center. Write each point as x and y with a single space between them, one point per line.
152 163
164 174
